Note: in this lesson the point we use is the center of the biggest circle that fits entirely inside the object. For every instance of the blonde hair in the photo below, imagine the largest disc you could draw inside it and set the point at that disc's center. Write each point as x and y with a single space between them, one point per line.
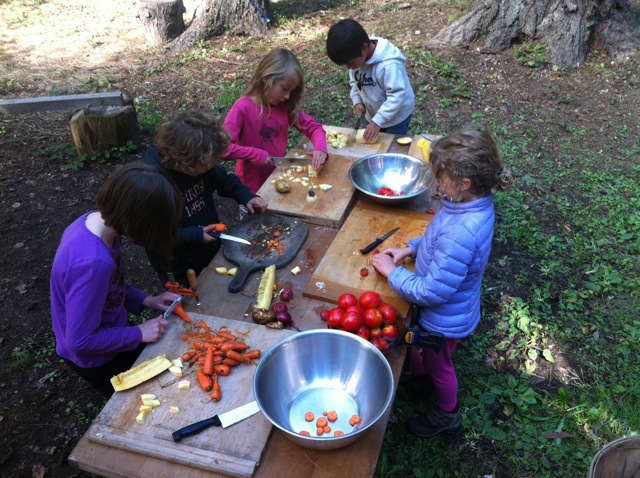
472 153
277 65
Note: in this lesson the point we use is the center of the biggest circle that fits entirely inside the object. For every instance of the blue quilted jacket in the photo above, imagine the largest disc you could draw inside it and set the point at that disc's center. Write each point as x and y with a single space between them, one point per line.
450 258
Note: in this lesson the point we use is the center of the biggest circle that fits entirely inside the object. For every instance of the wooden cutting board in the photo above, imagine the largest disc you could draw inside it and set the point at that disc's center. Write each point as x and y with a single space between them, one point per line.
352 149
234 451
414 150
339 270
331 207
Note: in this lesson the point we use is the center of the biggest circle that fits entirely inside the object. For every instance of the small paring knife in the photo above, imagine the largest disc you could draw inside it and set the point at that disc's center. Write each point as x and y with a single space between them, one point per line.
221 235
223 420
378 241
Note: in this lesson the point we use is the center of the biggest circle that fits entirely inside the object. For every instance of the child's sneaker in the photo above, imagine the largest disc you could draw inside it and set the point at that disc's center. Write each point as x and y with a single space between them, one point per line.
435 421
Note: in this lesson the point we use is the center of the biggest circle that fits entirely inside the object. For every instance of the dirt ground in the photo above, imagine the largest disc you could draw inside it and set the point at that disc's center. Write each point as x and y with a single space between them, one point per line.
71 46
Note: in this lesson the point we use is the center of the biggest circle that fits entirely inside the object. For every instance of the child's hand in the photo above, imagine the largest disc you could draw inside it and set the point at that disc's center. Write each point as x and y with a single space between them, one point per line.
371 131
398 253
319 159
257 204
206 237
359 109
153 329
160 302
383 263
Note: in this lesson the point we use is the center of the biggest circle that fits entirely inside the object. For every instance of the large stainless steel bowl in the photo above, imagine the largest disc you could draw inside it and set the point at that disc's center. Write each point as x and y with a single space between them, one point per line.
399 172
320 371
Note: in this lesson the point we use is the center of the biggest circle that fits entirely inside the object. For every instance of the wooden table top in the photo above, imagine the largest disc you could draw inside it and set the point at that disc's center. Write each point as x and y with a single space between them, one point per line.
281 456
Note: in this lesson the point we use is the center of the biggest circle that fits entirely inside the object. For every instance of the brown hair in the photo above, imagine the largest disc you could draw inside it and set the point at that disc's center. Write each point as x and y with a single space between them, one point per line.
191 138
139 201
472 153
277 65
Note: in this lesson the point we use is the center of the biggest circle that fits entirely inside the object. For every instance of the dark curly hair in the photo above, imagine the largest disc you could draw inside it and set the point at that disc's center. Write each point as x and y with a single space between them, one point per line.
190 139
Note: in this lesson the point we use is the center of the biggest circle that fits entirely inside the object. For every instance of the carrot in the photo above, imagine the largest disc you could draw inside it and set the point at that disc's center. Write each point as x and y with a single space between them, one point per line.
327 429
332 416
179 311
188 355
207 368
238 346
319 431
230 362
203 325
220 228
232 354
206 384
309 416
200 344
321 422
338 433
355 419
216 392
227 335
305 433
200 361
254 354
222 369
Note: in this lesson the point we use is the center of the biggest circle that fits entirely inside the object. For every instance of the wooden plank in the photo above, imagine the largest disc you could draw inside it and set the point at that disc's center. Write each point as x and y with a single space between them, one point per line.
331 207
233 451
60 103
339 269
353 149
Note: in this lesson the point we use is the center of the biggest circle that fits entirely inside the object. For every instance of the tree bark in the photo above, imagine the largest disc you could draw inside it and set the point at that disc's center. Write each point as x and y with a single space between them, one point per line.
162 20
570 28
96 129
214 17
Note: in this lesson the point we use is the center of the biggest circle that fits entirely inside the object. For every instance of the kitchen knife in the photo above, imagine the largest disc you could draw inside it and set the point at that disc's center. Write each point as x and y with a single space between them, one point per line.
171 308
377 242
220 235
223 420
357 127
426 136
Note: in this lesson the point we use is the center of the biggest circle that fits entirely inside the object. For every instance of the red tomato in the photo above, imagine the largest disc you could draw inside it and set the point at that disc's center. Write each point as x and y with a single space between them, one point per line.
370 300
364 272
372 318
389 332
389 314
380 344
355 308
334 318
347 300
363 332
375 333
351 321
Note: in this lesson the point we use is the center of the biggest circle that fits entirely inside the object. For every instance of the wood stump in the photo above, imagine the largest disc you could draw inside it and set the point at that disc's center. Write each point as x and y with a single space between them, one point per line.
97 129
162 20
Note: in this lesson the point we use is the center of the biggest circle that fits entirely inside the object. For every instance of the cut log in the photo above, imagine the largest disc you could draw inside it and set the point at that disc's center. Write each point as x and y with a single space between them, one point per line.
162 20
101 128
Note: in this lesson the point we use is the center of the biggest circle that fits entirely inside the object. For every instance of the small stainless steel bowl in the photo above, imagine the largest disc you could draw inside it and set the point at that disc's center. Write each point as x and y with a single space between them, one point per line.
321 371
399 172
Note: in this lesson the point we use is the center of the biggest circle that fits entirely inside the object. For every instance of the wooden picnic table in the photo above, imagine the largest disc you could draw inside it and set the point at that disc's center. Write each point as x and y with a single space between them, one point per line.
281 456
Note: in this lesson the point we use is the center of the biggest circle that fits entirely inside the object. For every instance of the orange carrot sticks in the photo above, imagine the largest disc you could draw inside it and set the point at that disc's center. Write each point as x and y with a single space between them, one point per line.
216 392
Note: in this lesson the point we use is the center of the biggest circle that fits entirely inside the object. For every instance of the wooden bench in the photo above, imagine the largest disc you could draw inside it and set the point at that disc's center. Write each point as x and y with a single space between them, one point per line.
60 103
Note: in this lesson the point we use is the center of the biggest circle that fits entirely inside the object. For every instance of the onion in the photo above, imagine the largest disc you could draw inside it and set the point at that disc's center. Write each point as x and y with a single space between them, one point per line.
324 314
284 317
279 307
286 294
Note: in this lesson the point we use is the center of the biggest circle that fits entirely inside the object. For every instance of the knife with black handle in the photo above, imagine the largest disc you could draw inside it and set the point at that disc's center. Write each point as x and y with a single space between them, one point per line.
377 242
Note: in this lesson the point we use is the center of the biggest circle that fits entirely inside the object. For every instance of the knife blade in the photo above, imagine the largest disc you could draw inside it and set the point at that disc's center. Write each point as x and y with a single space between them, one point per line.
221 235
171 308
223 420
426 136
378 241
357 127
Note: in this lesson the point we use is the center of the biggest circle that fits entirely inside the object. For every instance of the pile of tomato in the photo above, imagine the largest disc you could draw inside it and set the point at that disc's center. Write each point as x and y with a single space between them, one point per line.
385 191
366 316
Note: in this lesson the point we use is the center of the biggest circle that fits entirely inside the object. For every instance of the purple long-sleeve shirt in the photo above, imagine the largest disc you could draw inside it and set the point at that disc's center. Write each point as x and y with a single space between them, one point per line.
90 300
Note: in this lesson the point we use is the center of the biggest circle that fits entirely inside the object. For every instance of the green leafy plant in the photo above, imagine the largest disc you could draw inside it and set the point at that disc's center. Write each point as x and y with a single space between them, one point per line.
532 55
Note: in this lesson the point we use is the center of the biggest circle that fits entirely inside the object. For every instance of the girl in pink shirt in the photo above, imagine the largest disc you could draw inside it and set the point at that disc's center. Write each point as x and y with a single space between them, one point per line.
259 121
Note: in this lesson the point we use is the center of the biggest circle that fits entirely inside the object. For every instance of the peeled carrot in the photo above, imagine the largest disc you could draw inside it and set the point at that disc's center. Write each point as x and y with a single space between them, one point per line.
207 368
220 228
232 354
238 346
355 419
230 362
321 422
338 433
309 416
319 431
179 311
206 384
227 335
305 433
222 369
327 429
332 416
253 354
216 392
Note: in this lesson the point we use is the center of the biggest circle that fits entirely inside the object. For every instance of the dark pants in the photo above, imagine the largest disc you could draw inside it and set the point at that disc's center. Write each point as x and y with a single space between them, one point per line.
100 377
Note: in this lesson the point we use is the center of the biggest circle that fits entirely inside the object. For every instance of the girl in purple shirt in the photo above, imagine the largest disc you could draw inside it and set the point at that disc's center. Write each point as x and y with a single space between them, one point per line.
259 121
90 300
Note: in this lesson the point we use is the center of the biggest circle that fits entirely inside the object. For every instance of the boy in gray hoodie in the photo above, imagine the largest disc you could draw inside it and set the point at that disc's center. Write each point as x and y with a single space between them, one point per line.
380 86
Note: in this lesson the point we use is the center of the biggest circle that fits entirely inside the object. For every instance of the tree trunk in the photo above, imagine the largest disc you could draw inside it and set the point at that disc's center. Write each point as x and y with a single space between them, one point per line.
214 17
570 28
96 129
162 20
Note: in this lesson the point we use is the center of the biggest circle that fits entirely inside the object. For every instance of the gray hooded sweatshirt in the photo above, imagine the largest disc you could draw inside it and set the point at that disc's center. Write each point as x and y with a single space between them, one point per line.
383 86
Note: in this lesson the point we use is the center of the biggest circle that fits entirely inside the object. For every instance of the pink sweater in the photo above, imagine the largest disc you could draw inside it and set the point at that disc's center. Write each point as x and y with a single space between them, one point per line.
256 137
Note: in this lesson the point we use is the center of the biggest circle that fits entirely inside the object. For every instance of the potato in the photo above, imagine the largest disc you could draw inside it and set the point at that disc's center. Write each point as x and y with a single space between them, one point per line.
282 186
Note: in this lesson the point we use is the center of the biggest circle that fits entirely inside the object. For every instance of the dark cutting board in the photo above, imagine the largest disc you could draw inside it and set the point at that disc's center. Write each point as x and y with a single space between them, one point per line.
258 229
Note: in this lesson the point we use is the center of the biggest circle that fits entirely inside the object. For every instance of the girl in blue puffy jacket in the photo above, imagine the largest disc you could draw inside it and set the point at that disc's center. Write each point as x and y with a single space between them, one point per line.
450 260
